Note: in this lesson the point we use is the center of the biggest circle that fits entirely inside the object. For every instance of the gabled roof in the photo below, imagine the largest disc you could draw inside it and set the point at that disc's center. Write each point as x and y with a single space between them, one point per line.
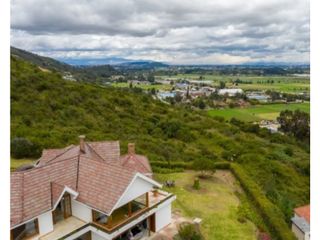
137 162
106 151
98 176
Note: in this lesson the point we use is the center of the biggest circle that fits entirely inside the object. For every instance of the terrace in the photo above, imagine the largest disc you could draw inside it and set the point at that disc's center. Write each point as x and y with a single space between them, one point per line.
130 211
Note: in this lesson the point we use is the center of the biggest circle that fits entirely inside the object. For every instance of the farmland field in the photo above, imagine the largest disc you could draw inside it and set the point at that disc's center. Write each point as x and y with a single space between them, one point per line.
288 84
216 203
259 112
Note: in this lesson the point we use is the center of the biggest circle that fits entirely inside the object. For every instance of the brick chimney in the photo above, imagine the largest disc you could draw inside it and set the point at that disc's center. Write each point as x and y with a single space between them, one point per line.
82 145
131 148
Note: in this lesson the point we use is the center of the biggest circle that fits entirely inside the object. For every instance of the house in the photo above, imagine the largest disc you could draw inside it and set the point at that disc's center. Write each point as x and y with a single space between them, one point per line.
301 222
231 92
272 126
165 94
260 96
89 192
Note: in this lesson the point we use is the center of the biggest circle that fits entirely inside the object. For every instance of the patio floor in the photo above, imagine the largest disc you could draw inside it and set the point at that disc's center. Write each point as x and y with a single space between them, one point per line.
168 232
62 228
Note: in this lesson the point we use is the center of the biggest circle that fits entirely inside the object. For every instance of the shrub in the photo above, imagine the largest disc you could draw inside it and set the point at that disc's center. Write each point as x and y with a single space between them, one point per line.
21 147
222 165
196 184
269 212
188 231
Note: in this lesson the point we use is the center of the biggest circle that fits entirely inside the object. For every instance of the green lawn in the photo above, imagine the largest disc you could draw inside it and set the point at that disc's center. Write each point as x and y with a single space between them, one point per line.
289 84
215 203
15 163
259 112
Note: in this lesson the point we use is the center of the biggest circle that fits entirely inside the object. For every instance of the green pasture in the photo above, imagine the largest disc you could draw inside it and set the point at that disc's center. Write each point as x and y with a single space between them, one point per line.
216 203
259 112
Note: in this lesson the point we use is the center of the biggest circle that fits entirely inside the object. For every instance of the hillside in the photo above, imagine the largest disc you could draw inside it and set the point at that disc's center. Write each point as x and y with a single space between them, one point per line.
52 112
83 73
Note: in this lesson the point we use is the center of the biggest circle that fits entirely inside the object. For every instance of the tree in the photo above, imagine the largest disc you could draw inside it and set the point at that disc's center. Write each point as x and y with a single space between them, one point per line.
21 147
205 166
295 123
150 78
153 91
222 84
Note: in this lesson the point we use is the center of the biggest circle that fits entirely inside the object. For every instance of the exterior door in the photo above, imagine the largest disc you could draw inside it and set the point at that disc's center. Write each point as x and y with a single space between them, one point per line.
63 209
152 223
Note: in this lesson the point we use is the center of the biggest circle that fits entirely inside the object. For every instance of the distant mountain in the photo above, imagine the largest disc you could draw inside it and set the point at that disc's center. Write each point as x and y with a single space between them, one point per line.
94 61
142 65
90 73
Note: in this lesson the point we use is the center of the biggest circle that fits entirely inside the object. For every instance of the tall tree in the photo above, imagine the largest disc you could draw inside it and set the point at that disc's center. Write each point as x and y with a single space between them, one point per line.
296 123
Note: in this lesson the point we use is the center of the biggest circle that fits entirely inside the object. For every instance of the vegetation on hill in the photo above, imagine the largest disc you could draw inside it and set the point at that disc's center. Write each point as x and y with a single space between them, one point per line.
84 73
51 112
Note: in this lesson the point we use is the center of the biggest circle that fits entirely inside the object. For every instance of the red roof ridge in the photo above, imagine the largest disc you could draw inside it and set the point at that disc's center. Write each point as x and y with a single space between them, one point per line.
95 151
67 149
304 212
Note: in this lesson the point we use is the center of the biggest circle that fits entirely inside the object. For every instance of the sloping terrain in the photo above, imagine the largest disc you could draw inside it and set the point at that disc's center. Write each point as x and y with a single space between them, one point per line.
52 112
83 73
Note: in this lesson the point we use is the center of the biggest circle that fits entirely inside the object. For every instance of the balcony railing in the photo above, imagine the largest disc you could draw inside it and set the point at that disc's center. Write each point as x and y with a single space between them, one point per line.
131 211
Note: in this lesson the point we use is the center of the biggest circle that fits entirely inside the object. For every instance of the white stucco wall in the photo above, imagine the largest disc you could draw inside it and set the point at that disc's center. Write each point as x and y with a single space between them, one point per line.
45 223
97 237
163 217
81 211
137 188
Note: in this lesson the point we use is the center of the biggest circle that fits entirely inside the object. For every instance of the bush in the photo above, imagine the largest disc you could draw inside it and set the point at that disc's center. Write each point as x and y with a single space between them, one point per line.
21 147
166 170
222 165
196 184
272 215
188 231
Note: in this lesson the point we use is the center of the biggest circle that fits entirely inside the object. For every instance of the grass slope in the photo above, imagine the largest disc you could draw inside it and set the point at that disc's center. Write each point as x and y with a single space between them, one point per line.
51 112
216 203
259 112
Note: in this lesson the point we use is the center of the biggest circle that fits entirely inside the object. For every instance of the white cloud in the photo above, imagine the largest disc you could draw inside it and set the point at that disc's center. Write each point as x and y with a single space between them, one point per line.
177 31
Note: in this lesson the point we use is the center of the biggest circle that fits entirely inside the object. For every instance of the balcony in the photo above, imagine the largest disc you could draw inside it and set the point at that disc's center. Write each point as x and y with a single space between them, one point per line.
130 211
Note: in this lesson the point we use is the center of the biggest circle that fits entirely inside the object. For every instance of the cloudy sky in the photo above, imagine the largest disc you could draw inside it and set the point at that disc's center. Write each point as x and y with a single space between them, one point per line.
172 31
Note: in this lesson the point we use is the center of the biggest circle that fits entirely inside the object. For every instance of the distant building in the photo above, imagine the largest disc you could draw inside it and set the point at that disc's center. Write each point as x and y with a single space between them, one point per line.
261 97
301 222
164 95
272 126
182 86
230 91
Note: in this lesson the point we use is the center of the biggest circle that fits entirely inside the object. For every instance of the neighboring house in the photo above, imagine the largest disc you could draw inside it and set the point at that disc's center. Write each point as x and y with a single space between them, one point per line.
231 92
301 222
88 192
163 95
261 97
272 126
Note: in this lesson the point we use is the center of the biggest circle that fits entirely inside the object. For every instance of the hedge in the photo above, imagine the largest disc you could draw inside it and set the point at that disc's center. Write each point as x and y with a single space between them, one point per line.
171 165
166 170
271 214
222 165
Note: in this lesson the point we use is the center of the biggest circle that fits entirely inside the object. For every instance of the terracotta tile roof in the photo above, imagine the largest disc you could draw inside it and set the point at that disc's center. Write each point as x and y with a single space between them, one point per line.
99 177
100 185
303 212
137 162
108 151
31 189
56 191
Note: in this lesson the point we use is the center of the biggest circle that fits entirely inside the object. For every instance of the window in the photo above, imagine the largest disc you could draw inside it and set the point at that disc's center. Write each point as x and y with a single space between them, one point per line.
26 230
